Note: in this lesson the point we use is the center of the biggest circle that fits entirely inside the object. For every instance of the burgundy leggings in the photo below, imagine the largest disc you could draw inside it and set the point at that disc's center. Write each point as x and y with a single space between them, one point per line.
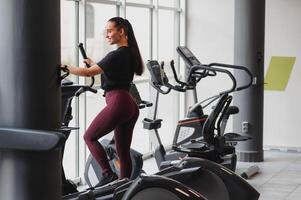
120 115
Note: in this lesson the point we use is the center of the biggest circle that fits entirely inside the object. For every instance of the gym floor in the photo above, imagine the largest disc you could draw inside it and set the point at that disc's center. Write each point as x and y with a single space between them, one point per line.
279 177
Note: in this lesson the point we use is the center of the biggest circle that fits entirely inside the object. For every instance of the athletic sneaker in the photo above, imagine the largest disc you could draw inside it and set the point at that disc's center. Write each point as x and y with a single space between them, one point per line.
106 178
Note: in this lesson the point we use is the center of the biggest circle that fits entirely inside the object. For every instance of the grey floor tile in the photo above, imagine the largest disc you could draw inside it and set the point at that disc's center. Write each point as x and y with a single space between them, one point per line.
298 189
287 177
280 187
260 179
295 166
272 195
294 196
298 160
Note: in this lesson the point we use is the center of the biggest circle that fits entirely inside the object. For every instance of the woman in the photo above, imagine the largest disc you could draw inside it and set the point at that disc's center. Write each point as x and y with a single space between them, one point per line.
117 70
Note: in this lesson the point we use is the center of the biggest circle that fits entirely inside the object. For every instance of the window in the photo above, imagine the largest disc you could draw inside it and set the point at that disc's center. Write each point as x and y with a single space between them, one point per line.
169 3
166 38
141 27
68 58
68 33
90 22
139 1
96 46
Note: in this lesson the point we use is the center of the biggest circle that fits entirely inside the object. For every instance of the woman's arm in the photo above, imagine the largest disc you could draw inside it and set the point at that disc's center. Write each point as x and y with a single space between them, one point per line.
84 71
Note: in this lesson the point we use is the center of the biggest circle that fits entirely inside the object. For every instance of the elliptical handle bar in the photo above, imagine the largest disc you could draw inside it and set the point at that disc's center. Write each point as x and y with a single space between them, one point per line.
65 74
84 89
158 88
89 88
195 68
181 88
82 51
158 76
84 55
187 85
172 65
248 72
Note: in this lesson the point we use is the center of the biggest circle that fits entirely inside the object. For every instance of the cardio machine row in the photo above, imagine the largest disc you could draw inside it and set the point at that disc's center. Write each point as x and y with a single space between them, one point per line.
184 171
197 174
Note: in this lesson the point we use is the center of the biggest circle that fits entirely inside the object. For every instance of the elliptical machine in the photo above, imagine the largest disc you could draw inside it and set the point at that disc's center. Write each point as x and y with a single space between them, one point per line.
195 136
195 115
213 130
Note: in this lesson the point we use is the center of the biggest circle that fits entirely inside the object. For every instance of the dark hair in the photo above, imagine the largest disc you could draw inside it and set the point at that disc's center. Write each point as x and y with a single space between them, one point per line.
132 43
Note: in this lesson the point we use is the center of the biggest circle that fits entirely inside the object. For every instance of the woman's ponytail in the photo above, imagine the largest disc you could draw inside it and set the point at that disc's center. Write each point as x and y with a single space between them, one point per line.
132 43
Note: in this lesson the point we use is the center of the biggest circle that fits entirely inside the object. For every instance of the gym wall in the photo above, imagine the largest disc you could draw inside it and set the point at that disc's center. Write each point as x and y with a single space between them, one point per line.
282 109
210 35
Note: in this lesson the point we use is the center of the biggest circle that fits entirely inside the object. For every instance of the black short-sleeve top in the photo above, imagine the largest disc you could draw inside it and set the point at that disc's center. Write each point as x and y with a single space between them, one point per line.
118 69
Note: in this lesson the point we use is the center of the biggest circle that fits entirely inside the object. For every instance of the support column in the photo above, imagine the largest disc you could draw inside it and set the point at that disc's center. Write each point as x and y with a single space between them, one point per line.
30 55
249 52
30 100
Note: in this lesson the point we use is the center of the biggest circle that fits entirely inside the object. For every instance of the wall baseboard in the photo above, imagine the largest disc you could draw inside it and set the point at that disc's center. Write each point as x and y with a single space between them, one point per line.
282 148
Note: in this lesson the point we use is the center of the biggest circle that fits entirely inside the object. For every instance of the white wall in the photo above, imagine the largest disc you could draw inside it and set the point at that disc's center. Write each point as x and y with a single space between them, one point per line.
210 35
282 109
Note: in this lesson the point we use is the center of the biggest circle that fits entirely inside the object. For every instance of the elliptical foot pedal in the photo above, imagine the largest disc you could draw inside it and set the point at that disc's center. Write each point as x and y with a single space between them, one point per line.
195 145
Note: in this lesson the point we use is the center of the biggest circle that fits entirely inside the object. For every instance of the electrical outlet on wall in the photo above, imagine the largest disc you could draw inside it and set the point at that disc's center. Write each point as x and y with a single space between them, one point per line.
245 127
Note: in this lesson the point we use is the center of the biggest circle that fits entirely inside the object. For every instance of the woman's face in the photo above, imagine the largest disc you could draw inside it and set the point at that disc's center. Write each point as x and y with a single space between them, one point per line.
113 35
